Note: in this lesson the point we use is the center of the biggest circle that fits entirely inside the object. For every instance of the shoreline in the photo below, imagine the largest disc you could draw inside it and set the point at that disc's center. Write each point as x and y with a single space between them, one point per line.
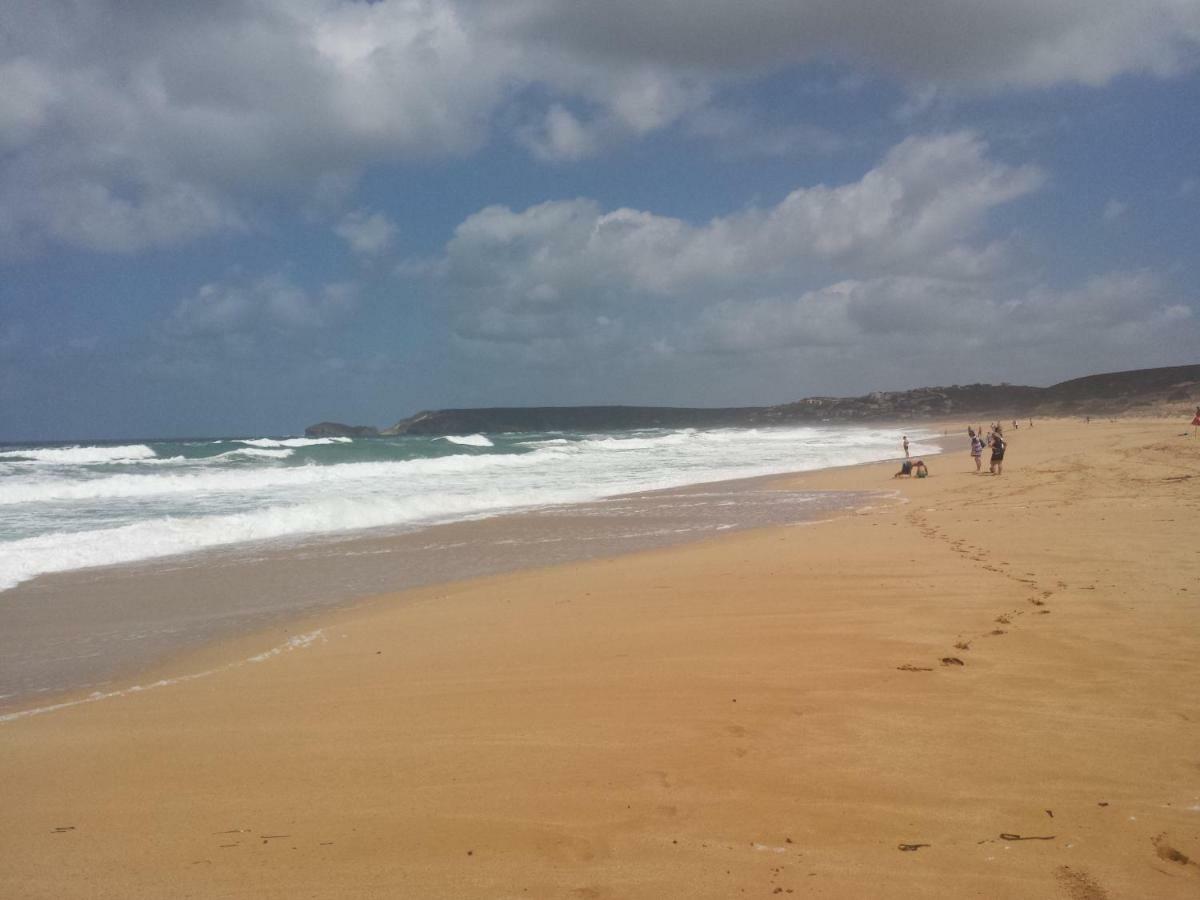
766 710
155 599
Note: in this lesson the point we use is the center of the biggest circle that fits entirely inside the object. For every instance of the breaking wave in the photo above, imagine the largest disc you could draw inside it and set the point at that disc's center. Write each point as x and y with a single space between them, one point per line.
469 440
80 456
294 442
84 514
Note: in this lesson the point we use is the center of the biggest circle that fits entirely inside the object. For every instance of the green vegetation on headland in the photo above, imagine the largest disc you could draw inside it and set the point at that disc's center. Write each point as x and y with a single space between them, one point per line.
1110 393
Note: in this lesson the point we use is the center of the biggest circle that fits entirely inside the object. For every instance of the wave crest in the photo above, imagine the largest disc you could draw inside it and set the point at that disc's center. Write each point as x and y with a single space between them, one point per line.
80 456
468 440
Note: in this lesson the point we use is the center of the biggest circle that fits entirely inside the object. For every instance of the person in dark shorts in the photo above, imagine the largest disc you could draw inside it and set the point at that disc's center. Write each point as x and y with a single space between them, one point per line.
998 448
911 467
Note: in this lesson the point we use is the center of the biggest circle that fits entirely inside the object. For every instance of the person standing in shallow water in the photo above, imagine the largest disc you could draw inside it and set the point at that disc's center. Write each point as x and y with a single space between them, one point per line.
906 446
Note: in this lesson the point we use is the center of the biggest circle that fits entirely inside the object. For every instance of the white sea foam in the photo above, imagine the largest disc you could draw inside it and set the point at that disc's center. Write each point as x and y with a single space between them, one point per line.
80 456
57 522
259 452
469 440
294 442
23 559
242 481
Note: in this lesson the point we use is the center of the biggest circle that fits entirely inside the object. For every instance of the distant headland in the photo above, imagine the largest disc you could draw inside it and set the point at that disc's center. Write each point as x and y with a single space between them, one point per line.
1106 394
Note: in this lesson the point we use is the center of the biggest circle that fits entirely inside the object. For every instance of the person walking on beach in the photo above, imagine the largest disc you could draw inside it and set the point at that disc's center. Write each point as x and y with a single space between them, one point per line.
998 448
976 449
906 446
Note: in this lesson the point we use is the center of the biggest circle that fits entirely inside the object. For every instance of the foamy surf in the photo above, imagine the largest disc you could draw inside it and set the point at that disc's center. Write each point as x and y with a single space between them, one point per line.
468 440
294 442
80 456
125 503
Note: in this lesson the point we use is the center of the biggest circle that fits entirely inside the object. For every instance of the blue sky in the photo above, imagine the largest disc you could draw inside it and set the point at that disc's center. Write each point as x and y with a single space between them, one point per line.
244 217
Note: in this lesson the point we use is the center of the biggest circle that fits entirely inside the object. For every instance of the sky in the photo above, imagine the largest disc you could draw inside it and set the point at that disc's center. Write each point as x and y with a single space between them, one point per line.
246 216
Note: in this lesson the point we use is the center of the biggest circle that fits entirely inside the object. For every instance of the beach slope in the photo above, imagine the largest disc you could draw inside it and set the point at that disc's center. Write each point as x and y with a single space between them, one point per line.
982 686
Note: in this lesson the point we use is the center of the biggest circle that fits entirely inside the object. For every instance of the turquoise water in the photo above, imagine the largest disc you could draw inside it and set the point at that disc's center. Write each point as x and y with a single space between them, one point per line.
68 506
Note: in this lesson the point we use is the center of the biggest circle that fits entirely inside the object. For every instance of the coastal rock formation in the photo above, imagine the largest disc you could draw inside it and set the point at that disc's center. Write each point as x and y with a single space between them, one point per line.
337 429
1115 392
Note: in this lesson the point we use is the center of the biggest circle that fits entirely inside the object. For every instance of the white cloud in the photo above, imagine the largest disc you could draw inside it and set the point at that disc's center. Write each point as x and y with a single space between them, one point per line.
1114 209
918 312
887 272
368 234
921 210
561 137
242 309
135 125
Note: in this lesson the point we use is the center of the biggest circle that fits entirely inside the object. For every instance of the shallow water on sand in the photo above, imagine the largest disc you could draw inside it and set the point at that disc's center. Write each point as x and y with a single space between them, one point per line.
84 629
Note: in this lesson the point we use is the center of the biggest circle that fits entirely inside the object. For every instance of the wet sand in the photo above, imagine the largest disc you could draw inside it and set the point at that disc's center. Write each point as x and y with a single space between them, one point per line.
97 627
988 690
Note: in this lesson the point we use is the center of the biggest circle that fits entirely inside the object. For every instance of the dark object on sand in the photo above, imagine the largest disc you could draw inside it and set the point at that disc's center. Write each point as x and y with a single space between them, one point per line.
1033 837
909 848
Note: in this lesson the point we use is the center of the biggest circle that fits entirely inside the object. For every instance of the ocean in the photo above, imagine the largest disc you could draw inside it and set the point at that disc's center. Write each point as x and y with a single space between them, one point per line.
116 556
84 504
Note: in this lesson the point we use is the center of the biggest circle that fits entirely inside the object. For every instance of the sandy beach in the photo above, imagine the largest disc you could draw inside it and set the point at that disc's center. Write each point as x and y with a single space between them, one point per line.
976 687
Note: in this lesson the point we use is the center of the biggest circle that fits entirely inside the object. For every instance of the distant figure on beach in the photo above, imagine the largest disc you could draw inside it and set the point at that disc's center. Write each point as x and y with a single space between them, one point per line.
911 467
976 449
906 446
998 448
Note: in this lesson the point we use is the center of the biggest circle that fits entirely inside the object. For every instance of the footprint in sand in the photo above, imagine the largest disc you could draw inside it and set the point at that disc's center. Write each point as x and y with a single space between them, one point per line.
1169 853
1078 884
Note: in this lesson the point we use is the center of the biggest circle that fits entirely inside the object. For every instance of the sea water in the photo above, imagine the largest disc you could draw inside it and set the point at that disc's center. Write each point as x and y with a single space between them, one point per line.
68 506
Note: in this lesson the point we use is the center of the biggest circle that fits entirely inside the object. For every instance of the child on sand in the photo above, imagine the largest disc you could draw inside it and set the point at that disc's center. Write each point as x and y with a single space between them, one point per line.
976 449
911 467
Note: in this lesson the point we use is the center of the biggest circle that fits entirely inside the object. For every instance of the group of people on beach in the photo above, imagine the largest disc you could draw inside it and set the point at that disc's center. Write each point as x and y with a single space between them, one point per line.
994 440
911 467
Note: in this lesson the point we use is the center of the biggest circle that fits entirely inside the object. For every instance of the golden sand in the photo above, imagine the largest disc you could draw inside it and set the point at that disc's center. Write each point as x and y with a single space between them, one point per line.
774 712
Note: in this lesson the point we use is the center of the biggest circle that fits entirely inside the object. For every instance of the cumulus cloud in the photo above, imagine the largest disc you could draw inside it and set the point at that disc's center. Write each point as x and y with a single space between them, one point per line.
903 263
913 311
969 42
921 209
561 136
368 234
152 118
270 305
131 125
